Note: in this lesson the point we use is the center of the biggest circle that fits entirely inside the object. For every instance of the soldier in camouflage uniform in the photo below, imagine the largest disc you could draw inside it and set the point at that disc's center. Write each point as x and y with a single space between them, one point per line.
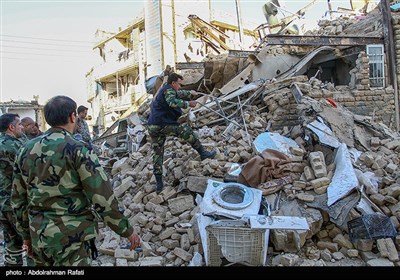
10 141
28 124
166 108
58 183
82 126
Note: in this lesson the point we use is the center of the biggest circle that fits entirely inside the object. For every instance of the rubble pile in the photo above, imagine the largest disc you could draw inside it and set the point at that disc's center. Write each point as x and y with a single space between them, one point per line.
167 222
350 25
344 176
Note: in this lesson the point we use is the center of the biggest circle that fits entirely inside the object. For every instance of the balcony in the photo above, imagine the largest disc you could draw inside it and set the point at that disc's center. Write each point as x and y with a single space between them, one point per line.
118 103
115 62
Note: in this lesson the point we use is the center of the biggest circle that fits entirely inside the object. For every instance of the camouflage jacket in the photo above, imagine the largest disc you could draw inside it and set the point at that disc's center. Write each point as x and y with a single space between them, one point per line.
9 146
83 130
176 99
56 181
167 106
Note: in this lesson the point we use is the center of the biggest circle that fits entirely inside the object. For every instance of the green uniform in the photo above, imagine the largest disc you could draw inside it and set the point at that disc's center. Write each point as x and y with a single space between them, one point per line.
158 136
56 181
165 111
9 146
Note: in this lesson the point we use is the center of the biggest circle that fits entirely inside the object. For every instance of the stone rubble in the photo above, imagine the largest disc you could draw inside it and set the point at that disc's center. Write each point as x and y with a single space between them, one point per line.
167 222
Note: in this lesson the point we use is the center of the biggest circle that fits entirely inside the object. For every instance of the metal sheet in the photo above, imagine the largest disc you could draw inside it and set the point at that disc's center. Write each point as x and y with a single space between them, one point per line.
339 211
238 81
324 133
246 88
344 180
364 207
301 66
278 222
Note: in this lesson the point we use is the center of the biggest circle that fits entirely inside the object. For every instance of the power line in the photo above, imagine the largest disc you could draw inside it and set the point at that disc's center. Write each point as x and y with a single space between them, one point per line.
36 38
24 59
38 60
45 49
73 1
40 54
35 43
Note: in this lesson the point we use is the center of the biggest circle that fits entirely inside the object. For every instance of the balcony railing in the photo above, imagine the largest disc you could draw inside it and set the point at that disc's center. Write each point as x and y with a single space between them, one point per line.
134 96
114 63
119 102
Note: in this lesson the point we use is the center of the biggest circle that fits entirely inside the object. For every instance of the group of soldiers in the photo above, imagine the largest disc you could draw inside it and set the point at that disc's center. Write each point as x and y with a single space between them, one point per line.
52 190
14 132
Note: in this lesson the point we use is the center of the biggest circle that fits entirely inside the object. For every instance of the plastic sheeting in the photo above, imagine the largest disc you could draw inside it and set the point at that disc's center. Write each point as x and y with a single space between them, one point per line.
274 141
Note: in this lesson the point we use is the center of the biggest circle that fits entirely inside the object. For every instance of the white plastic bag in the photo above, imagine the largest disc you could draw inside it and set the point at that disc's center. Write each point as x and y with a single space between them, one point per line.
192 116
369 180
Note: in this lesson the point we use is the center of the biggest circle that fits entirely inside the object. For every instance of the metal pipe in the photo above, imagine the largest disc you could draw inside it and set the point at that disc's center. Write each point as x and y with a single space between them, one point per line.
218 99
244 122
225 118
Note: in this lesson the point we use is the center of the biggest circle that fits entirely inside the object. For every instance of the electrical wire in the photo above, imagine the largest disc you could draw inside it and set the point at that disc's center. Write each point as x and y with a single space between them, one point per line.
36 43
45 49
50 59
36 38
46 54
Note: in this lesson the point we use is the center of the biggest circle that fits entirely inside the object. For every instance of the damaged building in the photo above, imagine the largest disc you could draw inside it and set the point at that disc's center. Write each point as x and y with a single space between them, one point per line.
307 165
133 61
25 108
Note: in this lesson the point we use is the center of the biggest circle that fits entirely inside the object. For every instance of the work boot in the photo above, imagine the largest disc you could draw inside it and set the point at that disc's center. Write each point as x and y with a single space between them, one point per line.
205 154
160 184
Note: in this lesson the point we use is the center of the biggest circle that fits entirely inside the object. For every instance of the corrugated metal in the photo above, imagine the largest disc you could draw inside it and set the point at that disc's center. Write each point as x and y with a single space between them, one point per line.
154 40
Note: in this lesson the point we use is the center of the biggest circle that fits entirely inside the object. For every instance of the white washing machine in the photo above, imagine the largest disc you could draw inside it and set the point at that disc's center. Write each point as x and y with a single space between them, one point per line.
243 238
231 200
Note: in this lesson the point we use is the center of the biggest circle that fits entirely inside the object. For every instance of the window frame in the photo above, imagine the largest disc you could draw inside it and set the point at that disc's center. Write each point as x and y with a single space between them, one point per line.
376 63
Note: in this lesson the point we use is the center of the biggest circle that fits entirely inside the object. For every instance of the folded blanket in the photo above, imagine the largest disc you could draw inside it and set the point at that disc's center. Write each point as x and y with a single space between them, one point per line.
268 165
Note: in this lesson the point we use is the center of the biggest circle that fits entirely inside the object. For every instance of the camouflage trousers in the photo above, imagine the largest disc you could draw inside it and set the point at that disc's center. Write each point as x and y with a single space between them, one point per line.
13 253
74 254
158 136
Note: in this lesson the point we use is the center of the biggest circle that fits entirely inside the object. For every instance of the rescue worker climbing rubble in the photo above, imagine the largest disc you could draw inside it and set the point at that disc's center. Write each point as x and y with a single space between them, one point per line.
166 108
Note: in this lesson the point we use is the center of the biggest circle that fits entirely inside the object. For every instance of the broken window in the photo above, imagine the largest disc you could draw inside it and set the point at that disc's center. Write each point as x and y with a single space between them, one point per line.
376 65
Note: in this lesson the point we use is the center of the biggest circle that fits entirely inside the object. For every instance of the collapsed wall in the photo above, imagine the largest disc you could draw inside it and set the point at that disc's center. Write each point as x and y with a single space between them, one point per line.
167 221
358 97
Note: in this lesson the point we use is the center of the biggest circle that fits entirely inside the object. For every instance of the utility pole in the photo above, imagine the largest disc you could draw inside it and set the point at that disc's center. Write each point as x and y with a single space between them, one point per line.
330 9
390 51
174 30
239 19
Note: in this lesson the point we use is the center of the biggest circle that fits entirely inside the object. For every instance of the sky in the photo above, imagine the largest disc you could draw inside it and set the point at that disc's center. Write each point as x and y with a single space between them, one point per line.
46 46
